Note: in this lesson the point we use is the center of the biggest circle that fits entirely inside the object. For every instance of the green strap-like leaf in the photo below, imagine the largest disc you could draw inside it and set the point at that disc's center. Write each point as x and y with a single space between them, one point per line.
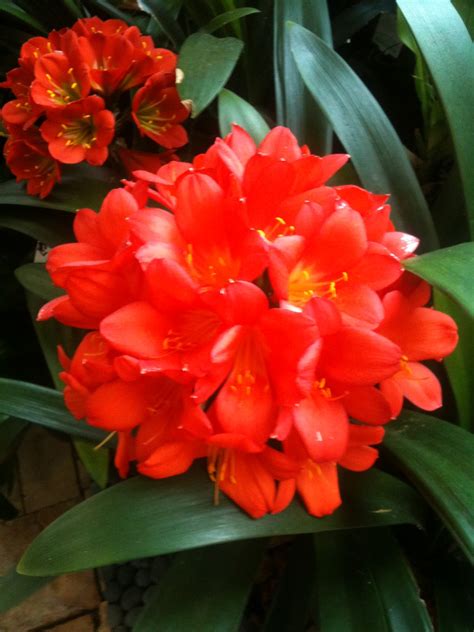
466 11
290 606
438 28
438 458
450 270
165 20
226 18
142 517
460 364
80 187
364 583
207 63
205 589
34 278
42 406
49 227
295 107
10 8
362 126
14 588
112 11
234 109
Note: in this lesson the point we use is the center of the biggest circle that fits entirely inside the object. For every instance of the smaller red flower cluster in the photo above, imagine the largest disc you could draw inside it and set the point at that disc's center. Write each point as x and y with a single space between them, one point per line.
263 321
68 92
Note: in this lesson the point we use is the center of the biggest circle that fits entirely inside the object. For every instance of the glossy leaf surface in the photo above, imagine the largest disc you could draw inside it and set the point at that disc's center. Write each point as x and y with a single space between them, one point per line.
295 107
234 109
451 271
43 406
207 63
14 588
365 583
365 131
175 514
439 28
438 458
205 589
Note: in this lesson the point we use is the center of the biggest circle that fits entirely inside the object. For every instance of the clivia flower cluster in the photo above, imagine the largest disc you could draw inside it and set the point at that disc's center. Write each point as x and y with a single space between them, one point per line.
72 95
260 320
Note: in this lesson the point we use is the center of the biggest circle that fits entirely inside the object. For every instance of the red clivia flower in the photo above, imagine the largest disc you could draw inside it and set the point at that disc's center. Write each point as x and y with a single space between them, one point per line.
158 111
263 322
22 110
61 77
89 26
27 157
422 333
99 272
80 131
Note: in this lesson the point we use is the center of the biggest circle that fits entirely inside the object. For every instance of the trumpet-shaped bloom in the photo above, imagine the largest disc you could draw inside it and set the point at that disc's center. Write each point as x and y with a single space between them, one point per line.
261 320
99 272
158 111
80 131
27 157
422 333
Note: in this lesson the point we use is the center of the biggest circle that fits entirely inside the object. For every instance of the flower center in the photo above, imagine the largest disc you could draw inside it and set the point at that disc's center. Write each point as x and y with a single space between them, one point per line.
215 269
321 387
152 119
303 285
278 229
66 92
79 132
404 365
195 329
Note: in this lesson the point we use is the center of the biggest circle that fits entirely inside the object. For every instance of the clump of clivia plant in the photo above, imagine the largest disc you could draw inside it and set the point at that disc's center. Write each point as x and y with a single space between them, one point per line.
262 320
80 89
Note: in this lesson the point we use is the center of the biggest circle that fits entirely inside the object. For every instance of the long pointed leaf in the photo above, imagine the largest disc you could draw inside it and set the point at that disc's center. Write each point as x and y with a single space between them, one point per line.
34 278
14 588
450 270
233 109
438 28
460 364
365 583
43 406
438 458
49 227
207 63
294 105
362 126
205 589
164 19
80 187
228 17
141 517
10 8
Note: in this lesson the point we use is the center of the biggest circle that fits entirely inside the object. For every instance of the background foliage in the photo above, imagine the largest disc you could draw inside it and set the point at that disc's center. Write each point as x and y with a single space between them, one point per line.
393 85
